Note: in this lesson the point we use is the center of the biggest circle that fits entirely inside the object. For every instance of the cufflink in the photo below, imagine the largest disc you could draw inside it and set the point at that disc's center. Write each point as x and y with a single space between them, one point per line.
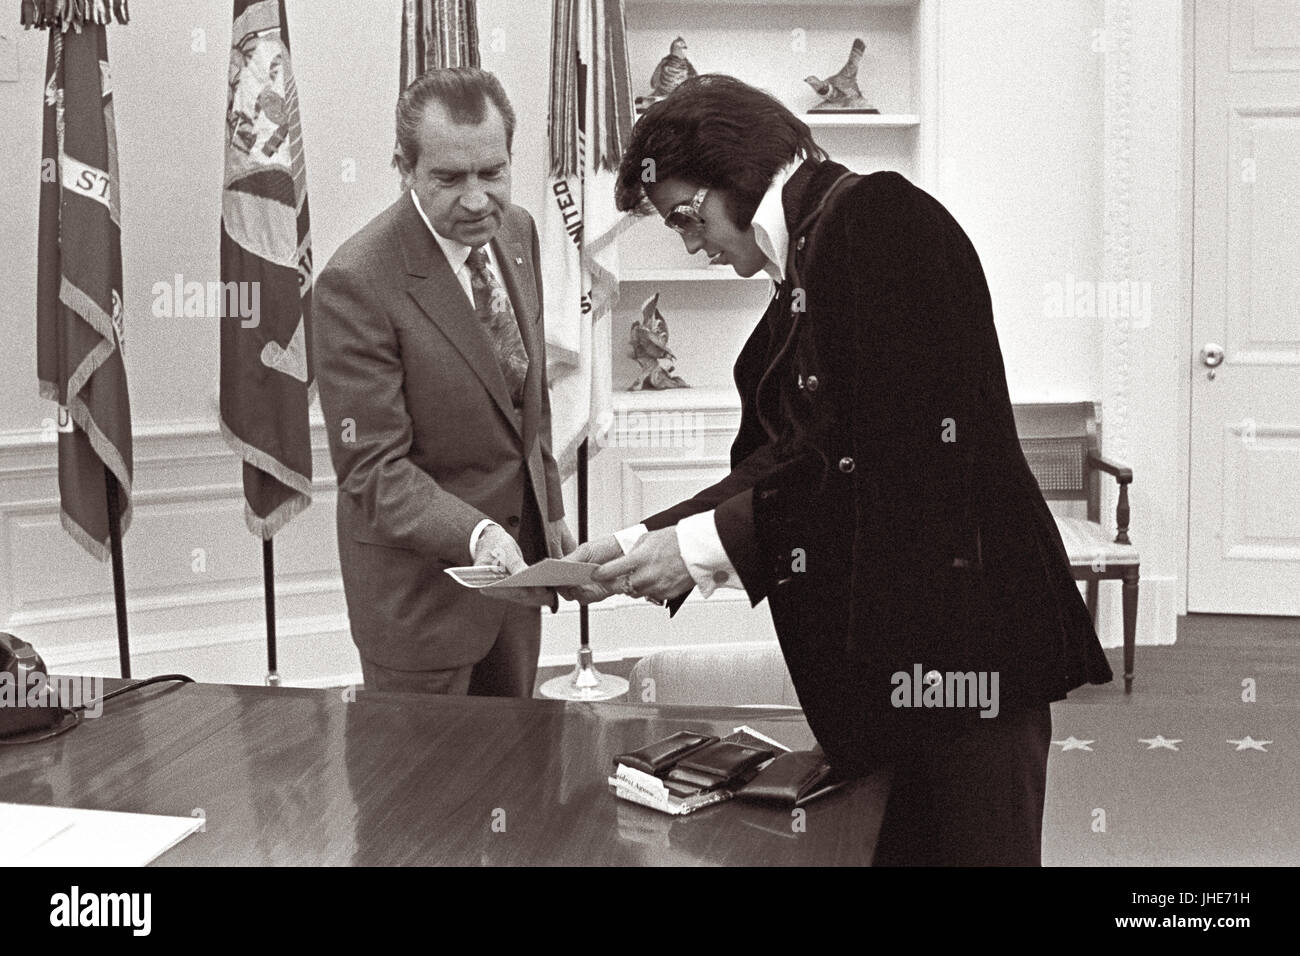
720 577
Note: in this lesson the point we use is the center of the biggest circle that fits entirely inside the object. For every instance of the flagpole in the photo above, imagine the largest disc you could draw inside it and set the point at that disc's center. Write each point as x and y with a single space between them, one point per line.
268 586
119 578
584 615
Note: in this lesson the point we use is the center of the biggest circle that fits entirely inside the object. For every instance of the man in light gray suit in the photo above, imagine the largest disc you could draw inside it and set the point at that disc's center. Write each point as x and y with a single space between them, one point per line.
432 369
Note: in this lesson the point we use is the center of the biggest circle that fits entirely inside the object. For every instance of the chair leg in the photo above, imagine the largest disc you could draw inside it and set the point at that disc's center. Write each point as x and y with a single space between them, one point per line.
1130 602
1092 600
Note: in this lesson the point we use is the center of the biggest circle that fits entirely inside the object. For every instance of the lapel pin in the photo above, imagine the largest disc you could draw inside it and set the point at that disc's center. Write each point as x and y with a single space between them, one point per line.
519 260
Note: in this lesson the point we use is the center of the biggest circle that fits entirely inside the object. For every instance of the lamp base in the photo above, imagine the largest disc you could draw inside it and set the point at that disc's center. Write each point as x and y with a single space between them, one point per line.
584 682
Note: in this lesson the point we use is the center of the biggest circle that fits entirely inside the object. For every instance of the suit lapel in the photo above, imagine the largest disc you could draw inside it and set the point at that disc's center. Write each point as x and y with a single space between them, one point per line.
439 295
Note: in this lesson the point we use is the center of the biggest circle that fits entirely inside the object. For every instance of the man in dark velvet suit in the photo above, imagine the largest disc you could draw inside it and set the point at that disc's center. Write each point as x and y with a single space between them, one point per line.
878 499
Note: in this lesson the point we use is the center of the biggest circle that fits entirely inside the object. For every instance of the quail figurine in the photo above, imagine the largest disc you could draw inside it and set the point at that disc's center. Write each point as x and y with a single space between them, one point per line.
840 93
672 71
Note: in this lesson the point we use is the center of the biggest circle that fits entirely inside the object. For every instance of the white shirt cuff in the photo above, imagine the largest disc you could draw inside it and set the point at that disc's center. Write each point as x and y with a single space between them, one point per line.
704 555
628 537
478 533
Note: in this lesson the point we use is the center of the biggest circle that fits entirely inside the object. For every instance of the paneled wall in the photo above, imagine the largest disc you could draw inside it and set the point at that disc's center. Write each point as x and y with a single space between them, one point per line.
1020 163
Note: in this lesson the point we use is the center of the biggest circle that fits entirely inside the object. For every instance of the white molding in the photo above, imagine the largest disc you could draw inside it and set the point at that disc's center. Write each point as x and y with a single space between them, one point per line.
1117 228
929 33
1186 258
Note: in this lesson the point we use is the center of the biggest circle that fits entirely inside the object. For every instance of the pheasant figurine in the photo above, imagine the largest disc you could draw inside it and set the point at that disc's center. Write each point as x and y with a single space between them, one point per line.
672 71
840 93
650 345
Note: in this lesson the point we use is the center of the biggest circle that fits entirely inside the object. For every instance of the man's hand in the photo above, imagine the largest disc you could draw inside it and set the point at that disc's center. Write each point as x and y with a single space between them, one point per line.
595 552
592 552
495 548
559 532
654 569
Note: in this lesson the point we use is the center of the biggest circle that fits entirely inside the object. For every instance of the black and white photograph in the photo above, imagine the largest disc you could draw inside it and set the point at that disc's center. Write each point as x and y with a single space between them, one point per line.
651 433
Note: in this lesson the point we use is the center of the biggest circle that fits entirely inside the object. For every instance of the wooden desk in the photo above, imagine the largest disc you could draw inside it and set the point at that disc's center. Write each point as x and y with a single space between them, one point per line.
303 777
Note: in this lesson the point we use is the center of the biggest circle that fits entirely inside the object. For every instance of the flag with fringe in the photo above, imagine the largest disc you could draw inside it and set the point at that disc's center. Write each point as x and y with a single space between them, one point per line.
437 33
591 116
267 381
79 327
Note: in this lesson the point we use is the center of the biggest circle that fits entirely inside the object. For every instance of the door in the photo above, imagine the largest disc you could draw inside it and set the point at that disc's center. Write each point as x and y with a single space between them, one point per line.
1244 471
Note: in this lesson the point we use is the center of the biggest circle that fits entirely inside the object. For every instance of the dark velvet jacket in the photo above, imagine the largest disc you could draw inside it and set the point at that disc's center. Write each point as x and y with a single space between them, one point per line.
900 525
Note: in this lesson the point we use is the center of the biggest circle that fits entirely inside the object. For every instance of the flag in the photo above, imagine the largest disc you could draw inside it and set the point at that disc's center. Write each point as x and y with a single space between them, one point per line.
591 116
437 33
267 383
79 330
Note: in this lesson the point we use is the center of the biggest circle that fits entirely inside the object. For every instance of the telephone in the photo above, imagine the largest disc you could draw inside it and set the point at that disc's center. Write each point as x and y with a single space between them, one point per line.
22 669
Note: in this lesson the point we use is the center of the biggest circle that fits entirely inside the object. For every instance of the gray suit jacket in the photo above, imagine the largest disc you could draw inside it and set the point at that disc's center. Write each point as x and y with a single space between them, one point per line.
422 433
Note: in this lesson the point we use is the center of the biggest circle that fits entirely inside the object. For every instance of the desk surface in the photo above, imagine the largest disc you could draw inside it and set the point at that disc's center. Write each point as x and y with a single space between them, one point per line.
303 777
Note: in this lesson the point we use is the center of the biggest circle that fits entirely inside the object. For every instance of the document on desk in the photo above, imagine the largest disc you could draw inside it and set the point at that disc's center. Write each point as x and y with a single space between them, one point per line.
547 573
66 836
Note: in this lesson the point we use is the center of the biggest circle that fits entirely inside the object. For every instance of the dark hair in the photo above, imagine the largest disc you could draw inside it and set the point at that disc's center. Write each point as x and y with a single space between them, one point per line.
715 131
463 91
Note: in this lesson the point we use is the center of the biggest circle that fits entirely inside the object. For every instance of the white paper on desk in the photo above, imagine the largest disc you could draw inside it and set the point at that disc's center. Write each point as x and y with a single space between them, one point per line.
66 836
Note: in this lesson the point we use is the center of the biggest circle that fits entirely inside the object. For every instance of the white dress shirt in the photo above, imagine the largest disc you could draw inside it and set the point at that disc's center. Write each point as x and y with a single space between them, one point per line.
697 535
457 254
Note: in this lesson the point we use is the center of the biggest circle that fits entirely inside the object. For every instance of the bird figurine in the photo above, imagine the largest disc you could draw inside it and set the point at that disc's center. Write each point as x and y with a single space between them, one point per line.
649 347
672 71
840 93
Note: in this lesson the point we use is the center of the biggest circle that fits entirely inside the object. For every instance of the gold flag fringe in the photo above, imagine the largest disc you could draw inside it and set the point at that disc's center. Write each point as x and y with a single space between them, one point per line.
62 14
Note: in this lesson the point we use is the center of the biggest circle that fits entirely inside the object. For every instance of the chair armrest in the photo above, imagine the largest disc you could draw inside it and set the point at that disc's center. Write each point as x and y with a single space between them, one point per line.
1123 474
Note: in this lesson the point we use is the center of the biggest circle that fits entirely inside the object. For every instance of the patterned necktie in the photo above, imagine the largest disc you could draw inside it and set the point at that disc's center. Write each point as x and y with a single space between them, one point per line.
492 306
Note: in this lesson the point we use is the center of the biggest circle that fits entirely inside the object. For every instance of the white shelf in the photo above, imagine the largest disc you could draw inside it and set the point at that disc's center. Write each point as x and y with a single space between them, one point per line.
878 120
675 399
777 3
689 274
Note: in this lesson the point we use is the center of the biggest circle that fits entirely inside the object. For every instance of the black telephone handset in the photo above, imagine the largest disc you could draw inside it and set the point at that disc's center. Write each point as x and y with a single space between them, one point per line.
24 698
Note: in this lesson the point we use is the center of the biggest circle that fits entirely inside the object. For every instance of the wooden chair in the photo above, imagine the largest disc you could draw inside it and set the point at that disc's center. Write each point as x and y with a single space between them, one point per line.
1062 445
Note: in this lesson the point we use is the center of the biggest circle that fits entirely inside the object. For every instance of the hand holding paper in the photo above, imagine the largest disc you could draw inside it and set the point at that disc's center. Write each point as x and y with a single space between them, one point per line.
497 549
598 551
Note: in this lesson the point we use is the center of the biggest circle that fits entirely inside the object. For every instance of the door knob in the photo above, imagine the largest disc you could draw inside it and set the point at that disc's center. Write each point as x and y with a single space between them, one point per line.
1211 358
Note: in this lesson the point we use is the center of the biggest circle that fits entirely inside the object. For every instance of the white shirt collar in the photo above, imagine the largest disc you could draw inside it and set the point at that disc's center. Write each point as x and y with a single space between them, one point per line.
770 229
456 252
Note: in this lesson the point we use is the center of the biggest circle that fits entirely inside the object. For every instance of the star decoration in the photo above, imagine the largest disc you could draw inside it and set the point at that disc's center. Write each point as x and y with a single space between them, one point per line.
1249 743
1073 743
1159 741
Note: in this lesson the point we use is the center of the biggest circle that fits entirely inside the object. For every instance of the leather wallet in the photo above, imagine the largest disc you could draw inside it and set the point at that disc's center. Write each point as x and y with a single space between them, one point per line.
659 757
721 763
790 779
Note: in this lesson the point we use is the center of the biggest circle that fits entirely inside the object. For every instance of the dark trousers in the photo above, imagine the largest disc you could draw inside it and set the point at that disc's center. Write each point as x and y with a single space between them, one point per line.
971 795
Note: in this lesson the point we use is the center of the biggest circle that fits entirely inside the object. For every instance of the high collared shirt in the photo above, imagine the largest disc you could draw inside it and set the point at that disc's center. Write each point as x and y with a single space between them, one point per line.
771 231
697 535
457 254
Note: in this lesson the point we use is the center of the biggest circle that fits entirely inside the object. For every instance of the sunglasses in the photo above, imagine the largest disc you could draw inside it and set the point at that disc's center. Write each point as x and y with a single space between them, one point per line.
685 218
